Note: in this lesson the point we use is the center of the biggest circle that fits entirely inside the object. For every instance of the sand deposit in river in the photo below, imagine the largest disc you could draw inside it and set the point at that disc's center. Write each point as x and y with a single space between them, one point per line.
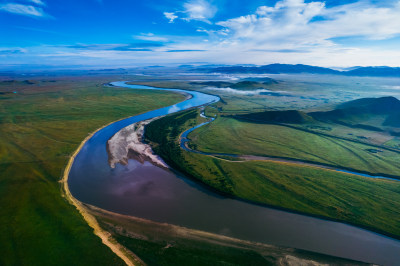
128 144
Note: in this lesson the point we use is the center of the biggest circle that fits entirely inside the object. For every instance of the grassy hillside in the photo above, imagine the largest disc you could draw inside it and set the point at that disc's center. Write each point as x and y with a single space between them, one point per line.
362 201
40 126
271 117
372 113
374 105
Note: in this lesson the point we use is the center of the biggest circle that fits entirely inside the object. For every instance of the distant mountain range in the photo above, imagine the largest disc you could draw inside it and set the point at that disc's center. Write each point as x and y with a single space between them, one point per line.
297 69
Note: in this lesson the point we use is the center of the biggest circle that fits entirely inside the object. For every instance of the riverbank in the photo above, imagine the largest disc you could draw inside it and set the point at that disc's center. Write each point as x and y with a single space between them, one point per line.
183 246
126 255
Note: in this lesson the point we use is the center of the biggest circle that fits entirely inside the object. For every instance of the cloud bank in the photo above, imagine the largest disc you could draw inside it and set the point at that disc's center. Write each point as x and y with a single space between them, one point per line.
294 24
363 32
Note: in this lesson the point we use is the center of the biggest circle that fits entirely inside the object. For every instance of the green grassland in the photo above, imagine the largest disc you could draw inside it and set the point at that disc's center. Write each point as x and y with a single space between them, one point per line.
395 143
40 126
370 203
190 253
229 135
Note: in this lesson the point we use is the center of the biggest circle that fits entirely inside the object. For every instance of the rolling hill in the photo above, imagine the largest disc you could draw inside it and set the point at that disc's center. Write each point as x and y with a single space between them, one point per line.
375 71
376 114
272 117
368 113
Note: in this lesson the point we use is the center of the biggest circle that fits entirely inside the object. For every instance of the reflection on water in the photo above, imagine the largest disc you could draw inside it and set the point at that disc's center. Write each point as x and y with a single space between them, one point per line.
146 191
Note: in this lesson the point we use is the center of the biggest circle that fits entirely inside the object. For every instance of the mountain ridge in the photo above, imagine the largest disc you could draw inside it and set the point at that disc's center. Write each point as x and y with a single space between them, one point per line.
380 71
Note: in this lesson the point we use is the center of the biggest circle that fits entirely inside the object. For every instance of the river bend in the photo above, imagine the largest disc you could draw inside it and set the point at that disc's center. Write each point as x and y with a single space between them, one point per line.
150 192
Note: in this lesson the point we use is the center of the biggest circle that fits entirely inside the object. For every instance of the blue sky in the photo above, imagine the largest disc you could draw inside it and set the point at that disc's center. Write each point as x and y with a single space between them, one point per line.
123 33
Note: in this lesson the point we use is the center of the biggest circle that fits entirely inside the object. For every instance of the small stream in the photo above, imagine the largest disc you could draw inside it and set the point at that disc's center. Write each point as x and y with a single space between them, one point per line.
147 191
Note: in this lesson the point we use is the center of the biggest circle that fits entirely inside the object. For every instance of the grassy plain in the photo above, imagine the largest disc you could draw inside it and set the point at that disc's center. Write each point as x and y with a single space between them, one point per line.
40 126
366 202
229 135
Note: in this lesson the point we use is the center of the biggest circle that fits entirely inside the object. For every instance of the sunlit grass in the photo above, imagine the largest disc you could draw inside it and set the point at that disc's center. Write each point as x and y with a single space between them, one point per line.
228 135
367 202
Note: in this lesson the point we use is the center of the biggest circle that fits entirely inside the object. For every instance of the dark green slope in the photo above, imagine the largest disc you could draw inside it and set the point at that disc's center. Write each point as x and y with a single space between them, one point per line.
272 117
369 112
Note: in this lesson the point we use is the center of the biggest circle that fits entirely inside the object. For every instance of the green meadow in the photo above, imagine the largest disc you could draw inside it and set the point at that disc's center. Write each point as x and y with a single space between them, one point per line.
40 127
229 135
366 202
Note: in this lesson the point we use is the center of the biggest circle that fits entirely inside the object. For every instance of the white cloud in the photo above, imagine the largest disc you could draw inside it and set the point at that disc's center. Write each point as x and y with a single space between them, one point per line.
171 16
26 10
200 10
150 37
38 2
361 19
294 23
229 54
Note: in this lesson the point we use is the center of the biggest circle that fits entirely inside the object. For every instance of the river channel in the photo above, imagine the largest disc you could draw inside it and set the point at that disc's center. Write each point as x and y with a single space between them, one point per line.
150 192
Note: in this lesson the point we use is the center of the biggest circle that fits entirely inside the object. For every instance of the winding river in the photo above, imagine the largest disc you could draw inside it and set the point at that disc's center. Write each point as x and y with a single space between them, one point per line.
147 191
